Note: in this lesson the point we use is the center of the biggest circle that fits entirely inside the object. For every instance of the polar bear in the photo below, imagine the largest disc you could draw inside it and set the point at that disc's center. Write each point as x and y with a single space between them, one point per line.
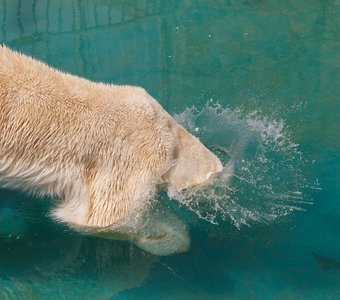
101 150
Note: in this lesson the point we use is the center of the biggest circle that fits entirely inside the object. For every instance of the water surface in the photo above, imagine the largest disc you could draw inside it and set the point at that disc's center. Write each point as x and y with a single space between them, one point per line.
257 81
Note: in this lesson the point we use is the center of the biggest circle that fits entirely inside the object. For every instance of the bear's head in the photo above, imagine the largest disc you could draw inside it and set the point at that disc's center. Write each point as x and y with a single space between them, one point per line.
193 164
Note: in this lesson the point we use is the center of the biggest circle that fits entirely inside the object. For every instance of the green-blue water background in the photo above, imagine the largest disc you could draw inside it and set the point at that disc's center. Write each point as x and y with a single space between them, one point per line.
279 58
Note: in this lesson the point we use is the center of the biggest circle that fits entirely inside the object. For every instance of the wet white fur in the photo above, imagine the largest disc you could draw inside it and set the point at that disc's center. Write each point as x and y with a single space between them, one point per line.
99 148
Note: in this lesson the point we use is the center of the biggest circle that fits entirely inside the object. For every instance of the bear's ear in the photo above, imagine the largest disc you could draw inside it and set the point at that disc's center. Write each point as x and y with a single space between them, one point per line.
193 162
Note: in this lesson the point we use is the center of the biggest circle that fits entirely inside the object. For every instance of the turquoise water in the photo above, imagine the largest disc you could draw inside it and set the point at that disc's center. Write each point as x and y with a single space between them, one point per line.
257 81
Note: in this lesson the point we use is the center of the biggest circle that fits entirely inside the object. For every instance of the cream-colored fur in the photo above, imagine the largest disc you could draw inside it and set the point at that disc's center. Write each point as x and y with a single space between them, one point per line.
101 149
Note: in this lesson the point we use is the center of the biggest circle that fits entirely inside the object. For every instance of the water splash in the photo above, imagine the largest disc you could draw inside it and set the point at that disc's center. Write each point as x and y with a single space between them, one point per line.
262 178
